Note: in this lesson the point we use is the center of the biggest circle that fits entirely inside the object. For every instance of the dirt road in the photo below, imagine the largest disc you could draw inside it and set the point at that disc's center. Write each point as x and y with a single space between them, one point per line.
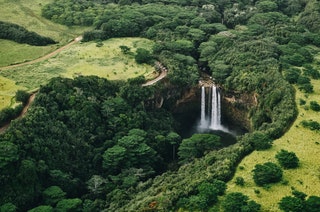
45 57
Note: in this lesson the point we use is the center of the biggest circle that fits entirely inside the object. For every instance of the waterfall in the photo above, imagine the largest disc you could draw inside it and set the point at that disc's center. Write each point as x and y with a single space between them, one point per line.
215 109
210 109
203 107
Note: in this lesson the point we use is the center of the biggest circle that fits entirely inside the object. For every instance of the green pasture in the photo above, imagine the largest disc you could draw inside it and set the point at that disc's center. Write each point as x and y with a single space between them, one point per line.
27 13
82 59
106 61
12 52
305 143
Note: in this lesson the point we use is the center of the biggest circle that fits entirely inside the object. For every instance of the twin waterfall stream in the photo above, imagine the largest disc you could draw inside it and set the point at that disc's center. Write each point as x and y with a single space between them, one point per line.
210 108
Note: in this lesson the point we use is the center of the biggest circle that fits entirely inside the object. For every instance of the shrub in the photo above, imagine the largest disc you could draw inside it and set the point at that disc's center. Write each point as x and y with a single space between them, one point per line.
312 125
287 160
238 202
291 204
8 207
260 140
292 75
267 173
302 102
239 181
313 204
22 96
143 56
53 195
314 106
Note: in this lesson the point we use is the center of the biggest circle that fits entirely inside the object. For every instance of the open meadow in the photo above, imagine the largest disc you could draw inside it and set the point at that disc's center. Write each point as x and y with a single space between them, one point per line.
304 143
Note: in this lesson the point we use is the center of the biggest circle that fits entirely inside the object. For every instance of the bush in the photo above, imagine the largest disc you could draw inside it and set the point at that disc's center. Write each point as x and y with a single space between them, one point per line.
313 204
291 204
314 106
22 96
143 56
42 208
69 205
312 125
8 207
238 202
266 173
260 140
287 160
239 181
292 75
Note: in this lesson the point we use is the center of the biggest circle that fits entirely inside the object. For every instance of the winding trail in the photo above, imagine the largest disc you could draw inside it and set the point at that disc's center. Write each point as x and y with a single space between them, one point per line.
23 112
45 57
163 74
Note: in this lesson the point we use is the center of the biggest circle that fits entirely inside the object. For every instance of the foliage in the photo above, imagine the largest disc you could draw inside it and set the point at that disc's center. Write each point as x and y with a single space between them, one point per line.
42 208
239 202
9 113
312 203
260 140
197 146
22 96
69 134
287 160
266 173
69 205
298 202
143 56
310 124
19 34
314 106
206 195
8 207
53 195
292 75
293 204
239 181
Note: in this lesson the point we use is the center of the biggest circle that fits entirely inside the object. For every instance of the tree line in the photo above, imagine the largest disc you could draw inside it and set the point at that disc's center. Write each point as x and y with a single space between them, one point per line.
20 34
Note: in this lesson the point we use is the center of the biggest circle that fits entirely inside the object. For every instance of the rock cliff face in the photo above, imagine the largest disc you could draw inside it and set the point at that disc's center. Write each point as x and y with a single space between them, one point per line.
235 106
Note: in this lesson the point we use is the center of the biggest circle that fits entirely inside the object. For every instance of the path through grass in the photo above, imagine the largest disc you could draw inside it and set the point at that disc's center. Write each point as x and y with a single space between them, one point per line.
305 143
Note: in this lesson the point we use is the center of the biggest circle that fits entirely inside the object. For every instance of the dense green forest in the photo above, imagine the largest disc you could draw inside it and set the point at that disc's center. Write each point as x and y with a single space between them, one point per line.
90 144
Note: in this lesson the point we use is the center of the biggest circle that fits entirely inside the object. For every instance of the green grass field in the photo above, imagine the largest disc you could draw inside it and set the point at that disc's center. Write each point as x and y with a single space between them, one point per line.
305 143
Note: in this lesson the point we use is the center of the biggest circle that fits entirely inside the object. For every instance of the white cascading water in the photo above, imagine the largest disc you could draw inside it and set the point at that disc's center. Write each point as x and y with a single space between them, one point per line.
203 108
212 118
215 109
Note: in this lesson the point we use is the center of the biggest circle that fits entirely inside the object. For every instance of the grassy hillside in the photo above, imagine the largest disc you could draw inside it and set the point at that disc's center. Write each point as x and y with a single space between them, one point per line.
28 14
304 143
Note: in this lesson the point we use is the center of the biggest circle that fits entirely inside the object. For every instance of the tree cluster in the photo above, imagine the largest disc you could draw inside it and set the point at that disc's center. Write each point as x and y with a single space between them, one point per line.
84 140
299 202
19 34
